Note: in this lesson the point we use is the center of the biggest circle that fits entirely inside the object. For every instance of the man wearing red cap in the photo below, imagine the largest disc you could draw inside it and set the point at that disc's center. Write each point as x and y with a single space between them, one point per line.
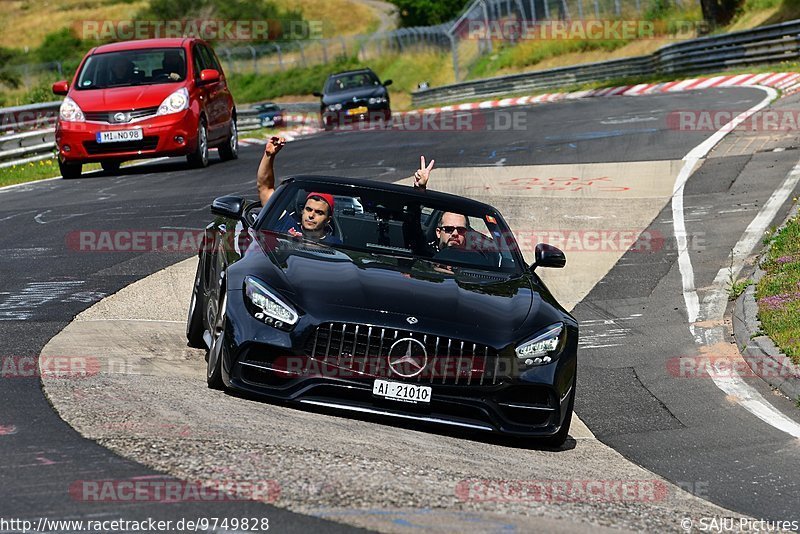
315 220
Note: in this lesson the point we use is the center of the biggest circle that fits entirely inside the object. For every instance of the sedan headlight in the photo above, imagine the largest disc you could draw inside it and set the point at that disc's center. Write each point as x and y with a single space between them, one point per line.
378 100
266 306
70 112
177 101
334 107
545 347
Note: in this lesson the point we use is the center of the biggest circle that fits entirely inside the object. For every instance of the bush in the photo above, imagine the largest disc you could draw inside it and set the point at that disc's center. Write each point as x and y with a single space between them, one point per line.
428 12
60 45
219 9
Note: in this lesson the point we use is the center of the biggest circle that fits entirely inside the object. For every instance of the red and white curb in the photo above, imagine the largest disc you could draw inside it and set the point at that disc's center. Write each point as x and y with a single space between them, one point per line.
787 82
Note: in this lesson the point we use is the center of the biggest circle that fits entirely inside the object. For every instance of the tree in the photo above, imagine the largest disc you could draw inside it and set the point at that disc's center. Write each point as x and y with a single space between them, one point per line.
719 12
428 12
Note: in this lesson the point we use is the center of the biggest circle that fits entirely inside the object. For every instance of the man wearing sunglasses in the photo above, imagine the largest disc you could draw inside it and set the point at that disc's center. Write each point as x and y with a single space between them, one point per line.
452 231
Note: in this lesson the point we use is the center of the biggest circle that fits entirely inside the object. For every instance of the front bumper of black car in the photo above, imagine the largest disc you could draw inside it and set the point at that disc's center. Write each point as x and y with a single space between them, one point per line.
529 404
371 114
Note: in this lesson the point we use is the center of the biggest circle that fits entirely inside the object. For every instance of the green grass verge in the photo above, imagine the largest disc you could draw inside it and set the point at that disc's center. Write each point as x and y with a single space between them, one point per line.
29 172
528 54
778 292
39 170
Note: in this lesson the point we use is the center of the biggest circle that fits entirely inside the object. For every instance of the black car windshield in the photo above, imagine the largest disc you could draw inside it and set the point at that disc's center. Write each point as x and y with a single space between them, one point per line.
133 67
349 82
446 236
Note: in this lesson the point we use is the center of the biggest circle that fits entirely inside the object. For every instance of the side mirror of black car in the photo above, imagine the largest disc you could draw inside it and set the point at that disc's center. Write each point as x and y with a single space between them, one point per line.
317 93
387 83
228 206
548 256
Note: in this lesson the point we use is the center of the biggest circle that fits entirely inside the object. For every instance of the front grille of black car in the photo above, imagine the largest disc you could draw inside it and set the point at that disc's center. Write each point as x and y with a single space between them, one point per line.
147 143
364 349
130 115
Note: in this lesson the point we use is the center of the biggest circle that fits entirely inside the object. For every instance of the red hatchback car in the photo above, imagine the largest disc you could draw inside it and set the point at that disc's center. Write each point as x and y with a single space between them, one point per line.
143 99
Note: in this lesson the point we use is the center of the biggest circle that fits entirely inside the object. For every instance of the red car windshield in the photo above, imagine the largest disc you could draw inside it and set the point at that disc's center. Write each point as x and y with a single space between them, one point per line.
133 67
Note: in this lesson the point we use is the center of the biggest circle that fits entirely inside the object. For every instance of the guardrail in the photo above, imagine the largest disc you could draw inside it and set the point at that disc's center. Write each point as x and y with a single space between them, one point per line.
27 133
768 44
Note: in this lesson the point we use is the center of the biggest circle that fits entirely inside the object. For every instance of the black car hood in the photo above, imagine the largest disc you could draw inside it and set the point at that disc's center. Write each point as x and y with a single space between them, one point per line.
332 283
359 93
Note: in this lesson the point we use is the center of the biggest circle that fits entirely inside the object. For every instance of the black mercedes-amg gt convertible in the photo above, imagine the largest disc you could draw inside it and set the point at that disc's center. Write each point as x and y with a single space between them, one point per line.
406 303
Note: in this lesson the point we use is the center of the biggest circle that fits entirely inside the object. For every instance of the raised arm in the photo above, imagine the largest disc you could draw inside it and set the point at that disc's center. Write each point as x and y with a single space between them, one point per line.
423 173
265 178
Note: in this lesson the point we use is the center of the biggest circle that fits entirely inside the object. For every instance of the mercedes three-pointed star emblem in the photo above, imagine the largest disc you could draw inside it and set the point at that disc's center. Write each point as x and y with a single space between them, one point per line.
409 362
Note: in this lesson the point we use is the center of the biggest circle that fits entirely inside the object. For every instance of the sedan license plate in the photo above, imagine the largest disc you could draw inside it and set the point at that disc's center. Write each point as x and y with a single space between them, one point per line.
119 136
357 111
401 392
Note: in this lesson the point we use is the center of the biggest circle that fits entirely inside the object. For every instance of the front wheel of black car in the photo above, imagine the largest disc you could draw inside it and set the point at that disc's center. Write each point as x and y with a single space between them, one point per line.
560 437
194 323
214 364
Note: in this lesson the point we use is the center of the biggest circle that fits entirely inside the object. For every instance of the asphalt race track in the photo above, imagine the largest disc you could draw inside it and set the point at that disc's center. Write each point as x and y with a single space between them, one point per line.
685 430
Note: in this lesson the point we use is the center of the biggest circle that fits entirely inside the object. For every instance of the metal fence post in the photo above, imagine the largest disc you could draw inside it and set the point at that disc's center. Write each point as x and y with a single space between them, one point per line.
344 46
230 61
454 51
280 55
255 59
489 46
302 55
324 51
547 9
596 10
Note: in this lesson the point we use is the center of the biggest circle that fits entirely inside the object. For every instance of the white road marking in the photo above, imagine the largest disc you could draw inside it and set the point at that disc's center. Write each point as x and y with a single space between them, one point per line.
679 223
714 303
20 306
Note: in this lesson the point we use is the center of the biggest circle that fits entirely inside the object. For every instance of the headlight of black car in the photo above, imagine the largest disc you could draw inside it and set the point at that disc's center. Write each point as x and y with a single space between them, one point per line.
378 100
543 348
266 306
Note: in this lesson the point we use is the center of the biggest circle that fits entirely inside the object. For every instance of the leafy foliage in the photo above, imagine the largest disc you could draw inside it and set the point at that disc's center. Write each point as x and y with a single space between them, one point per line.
60 45
7 78
428 12
219 9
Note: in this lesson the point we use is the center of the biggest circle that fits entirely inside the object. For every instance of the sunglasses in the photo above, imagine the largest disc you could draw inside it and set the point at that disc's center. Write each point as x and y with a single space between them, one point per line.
450 229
